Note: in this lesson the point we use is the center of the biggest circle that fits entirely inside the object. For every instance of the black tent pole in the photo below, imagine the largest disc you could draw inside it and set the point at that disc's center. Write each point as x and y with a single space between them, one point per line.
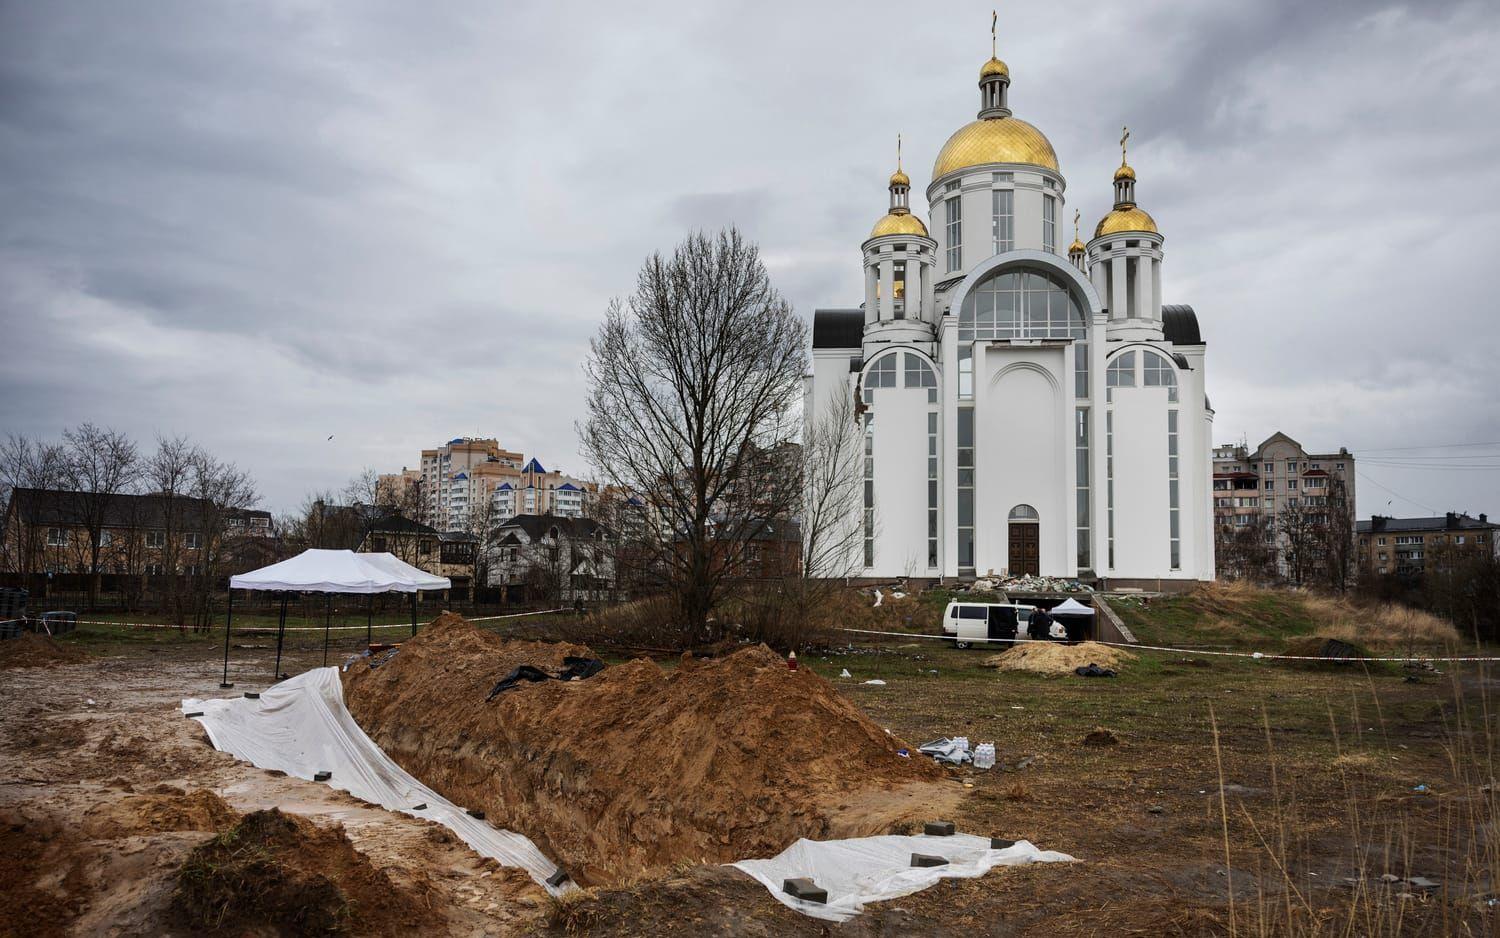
327 622
414 612
280 632
369 614
228 620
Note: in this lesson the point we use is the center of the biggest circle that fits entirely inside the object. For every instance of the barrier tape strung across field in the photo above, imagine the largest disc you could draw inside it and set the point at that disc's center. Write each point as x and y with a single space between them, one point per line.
1257 655
302 628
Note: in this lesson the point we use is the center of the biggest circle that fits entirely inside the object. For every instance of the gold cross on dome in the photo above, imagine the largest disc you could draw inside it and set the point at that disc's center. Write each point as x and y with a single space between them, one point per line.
1076 214
1124 136
994 19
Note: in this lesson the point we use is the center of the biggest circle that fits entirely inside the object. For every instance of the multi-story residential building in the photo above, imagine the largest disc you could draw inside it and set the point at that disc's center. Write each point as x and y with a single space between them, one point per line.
49 531
1407 546
552 558
448 553
539 492
1280 479
460 474
401 490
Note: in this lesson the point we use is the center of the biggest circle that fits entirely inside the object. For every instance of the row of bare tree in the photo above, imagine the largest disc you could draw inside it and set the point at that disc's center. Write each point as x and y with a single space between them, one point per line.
188 490
1303 546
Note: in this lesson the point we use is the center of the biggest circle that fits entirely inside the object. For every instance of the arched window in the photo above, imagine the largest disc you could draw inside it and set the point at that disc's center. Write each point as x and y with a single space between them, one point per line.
1121 371
1158 373
1026 304
919 373
882 374
1024 513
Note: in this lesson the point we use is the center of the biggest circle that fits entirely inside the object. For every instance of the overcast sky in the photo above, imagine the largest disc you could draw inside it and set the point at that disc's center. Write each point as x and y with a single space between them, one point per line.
264 223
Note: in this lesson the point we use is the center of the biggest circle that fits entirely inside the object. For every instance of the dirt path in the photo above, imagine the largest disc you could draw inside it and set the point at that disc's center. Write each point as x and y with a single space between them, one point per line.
77 737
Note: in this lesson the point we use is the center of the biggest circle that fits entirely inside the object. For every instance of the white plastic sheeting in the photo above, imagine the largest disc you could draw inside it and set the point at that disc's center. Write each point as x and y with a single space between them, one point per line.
340 571
301 726
871 869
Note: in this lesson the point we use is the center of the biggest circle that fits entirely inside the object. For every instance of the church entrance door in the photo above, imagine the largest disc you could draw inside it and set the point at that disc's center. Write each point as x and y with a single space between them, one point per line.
1025 553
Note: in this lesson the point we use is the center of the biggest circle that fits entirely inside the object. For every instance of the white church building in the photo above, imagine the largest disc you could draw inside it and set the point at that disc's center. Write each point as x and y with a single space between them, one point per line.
1026 407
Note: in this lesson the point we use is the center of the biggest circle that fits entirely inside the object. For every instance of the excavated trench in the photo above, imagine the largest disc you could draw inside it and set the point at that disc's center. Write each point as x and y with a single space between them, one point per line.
637 768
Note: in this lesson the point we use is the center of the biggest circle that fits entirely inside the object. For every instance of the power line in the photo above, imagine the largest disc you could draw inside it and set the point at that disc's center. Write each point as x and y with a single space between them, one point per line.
1407 449
1394 492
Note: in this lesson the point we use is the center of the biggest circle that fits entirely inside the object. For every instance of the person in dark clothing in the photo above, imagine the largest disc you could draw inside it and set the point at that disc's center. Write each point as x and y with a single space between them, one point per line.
1041 624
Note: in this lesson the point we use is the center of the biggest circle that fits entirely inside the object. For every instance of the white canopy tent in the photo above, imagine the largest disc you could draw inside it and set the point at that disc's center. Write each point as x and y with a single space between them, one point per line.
1071 607
330 571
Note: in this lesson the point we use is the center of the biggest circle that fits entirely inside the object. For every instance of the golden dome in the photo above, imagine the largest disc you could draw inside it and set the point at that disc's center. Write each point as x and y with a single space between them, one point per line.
898 178
1126 218
1124 172
1077 247
1000 140
993 67
899 223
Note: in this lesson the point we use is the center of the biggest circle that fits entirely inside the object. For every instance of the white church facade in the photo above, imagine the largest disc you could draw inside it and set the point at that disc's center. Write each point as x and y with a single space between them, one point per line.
1025 408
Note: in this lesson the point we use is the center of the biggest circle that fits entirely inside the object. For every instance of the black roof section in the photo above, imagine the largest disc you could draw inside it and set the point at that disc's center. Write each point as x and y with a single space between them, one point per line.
838 328
399 524
1452 521
1179 325
62 507
536 525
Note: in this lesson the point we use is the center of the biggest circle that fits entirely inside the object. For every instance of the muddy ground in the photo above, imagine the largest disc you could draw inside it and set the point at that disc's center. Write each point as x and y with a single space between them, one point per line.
1331 780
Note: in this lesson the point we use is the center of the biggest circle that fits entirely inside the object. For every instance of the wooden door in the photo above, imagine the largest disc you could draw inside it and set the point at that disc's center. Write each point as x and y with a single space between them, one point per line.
1025 553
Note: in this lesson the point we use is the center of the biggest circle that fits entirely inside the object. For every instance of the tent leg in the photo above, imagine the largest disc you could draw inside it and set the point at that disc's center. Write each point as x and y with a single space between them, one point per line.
327 623
369 615
228 620
414 614
280 633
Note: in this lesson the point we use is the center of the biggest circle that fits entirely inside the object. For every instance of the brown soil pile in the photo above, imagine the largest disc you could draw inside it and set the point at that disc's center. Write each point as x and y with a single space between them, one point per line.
282 872
34 650
162 809
637 768
1055 658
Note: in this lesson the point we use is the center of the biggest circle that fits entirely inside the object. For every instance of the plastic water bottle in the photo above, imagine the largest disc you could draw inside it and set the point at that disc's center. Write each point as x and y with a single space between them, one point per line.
961 745
984 756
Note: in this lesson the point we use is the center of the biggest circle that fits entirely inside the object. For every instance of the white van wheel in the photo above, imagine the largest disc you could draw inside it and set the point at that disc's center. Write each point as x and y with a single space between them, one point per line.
958 644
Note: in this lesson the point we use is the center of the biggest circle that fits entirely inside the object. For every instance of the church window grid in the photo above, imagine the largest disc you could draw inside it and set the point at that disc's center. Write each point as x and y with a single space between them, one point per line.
966 371
1081 450
882 374
1004 226
1049 224
1119 374
954 215
1174 513
1109 482
932 490
869 508
1026 304
919 374
965 489
1157 373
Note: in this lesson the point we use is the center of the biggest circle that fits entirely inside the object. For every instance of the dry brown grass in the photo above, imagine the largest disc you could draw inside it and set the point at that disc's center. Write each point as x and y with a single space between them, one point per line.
1052 658
1383 624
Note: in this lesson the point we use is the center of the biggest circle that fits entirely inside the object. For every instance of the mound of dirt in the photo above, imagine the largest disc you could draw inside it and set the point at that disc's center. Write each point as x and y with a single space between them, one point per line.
35 650
162 809
1323 652
282 872
1056 658
637 768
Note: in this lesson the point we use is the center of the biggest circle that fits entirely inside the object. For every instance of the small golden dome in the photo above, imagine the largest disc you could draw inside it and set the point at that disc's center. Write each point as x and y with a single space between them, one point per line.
999 140
1125 218
993 67
899 223
898 178
1124 172
1077 247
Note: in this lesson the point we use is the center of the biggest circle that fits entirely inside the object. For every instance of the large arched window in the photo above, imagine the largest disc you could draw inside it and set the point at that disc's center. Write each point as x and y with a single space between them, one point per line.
1024 513
1158 373
1026 304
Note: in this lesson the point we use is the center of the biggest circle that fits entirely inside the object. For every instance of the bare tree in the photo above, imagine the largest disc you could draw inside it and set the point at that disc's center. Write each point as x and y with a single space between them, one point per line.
1245 551
167 474
1338 537
223 493
692 382
99 465
26 464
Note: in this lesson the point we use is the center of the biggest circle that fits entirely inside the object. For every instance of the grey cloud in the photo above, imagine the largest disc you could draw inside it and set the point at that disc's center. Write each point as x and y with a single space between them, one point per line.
264 223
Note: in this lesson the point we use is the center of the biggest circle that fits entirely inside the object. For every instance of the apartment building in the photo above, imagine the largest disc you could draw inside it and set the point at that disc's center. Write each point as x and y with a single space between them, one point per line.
539 492
1407 546
1279 478
460 474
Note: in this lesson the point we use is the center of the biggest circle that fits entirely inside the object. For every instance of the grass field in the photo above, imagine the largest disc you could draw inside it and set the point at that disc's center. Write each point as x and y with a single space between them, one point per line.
1230 796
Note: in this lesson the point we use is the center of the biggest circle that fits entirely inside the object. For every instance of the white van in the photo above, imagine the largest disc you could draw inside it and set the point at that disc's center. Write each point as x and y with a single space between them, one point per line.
979 623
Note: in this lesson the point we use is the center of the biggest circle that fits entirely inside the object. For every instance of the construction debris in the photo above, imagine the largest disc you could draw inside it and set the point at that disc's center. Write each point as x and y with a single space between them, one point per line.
1058 659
